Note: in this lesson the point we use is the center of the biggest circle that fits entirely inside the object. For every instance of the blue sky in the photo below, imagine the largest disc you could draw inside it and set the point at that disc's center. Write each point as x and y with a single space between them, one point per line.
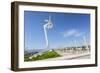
67 28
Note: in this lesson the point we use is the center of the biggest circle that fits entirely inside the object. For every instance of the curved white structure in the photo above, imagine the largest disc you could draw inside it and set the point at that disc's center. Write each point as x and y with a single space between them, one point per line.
48 25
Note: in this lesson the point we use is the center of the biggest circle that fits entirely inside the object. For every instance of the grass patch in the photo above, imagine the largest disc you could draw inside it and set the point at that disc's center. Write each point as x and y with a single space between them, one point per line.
44 55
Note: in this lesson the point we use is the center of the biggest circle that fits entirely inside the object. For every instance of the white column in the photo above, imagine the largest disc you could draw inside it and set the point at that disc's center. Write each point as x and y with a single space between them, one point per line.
46 37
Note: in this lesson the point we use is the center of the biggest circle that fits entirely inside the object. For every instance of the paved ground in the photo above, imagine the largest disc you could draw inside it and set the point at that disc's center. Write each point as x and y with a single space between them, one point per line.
72 56
69 55
84 57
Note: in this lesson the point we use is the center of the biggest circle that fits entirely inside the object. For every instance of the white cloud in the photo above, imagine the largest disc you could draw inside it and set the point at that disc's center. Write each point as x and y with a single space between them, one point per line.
78 34
72 32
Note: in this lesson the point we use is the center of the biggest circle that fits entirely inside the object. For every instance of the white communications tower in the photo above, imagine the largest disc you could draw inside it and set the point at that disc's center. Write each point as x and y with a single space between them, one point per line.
47 26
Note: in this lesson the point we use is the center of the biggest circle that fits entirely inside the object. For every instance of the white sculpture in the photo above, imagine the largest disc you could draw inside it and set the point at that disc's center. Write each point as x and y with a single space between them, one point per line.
48 25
